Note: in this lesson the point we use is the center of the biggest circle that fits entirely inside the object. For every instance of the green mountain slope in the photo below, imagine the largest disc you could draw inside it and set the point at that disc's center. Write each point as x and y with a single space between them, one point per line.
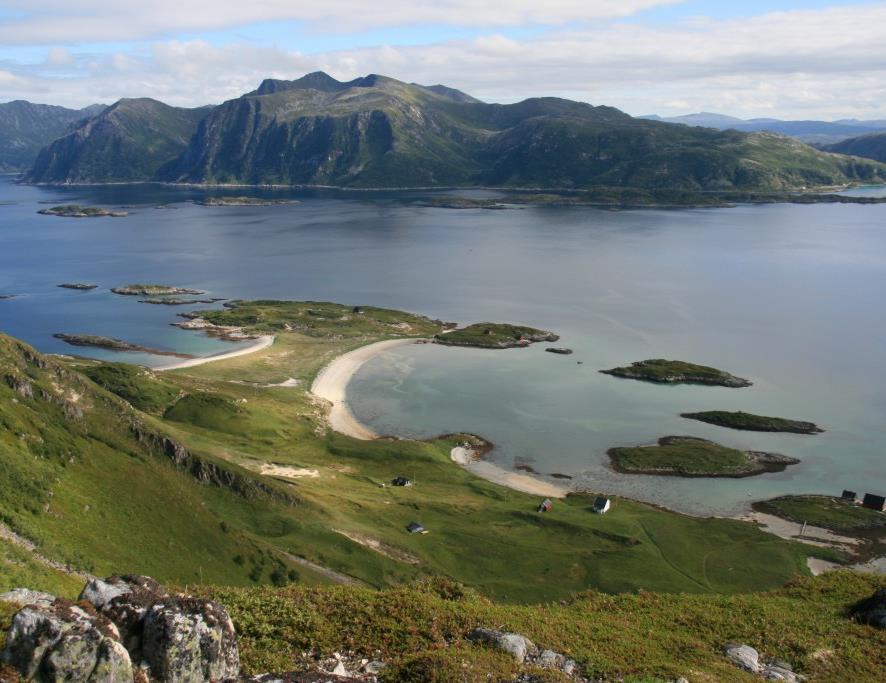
380 132
128 141
26 128
96 486
871 146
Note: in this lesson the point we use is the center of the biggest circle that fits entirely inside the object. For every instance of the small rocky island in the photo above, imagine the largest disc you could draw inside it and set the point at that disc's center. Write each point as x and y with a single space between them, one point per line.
689 456
112 344
495 336
155 290
664 371
243 201
3 297
77 211
753 423
561 351
76 285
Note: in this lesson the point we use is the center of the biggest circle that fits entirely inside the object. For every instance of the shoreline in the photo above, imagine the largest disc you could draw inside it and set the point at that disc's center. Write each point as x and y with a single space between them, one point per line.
259 343
331 384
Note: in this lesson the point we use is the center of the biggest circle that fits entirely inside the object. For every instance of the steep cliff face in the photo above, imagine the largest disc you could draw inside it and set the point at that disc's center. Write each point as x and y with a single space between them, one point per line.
26 128
128 141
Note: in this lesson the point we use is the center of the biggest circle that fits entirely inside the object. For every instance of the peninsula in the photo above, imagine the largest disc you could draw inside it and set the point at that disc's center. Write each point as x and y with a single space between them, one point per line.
689 456
112 344
753 423
676 372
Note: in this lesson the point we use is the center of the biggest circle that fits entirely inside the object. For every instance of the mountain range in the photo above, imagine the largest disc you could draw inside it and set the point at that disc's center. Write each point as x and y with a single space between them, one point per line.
818 132
25 128
376 131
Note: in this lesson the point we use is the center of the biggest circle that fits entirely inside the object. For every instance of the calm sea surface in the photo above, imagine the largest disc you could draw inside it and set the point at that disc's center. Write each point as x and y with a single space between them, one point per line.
791 297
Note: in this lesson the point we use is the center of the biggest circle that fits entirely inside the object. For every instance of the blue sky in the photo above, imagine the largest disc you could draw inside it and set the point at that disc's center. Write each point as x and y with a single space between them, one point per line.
783 58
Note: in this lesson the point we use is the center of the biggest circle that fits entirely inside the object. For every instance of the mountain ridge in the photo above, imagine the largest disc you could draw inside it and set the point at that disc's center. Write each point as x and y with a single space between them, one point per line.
378 132
870 146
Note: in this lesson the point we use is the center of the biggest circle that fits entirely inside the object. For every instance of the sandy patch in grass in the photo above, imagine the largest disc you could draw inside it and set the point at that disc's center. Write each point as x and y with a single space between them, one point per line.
272 470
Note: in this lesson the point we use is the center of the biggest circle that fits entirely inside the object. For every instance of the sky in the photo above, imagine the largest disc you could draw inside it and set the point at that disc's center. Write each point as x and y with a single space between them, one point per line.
795 59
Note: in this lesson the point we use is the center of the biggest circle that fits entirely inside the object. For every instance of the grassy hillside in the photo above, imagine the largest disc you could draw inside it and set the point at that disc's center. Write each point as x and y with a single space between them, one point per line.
256 481
639 637
872 146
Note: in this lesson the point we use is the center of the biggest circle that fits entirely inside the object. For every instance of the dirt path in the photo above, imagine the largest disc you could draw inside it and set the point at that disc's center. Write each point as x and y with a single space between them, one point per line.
331 574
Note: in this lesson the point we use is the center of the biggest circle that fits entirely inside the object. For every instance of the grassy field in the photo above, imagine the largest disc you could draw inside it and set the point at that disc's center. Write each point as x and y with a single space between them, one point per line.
824 511
751 422
629 637
88 492
676 371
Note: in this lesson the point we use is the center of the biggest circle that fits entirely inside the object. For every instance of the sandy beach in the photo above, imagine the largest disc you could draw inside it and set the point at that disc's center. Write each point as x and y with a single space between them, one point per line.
331 385
332 382
258 344
513 480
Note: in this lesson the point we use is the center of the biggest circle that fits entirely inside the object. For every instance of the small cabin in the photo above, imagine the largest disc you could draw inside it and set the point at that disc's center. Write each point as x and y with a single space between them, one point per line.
601 505
357 310
874 502
546 505
415 528
849 495
401 481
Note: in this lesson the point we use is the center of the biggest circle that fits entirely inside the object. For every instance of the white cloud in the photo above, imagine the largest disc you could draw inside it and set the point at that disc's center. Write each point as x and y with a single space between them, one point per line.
828 63
61 21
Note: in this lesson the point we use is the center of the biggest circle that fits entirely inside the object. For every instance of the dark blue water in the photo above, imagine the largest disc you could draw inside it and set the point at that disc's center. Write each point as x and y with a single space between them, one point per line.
789 296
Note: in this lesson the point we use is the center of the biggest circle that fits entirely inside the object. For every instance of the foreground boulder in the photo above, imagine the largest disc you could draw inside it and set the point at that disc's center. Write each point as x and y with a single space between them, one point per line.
747 658
523 650
121 624
63 641
512 643
190 639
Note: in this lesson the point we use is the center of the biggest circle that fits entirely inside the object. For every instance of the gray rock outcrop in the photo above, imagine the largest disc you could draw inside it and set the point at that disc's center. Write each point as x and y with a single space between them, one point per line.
512 643
63 641
747 658
120 622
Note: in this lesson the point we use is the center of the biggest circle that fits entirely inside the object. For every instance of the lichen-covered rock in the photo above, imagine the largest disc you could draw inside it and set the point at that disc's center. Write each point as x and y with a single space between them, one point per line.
63 641
513 643
25 596
744 656
548 659
189 639
872 610
125 600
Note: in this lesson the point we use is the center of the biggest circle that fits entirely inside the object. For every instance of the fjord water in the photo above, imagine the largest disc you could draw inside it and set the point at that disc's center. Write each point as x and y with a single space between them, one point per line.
789 296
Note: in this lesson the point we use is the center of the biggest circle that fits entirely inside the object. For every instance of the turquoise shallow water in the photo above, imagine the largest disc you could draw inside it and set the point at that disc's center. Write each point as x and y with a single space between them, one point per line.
789 296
